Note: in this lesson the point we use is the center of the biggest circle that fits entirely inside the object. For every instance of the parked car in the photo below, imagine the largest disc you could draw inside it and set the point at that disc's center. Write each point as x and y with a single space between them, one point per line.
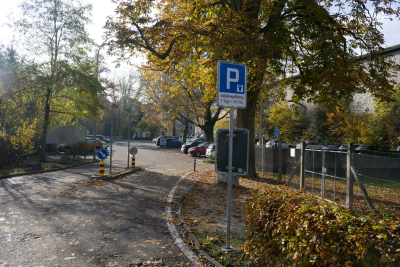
369 148
315 147
308 143
172 142
257 143
199 150
155 141
158 141
343 148
68 148
274 144
201 139
190 138
104 144
331 147
210 152
100 137
185 147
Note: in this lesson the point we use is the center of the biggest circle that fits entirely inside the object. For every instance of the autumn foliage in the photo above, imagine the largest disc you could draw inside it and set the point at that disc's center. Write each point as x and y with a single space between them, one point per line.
292 228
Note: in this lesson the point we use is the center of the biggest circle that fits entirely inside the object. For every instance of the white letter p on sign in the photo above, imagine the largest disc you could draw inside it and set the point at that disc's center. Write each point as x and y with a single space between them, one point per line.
229 79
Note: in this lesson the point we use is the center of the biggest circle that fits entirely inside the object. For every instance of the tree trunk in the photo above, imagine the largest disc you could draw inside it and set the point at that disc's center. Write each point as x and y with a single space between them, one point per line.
185 128
42 157
173 127
208 129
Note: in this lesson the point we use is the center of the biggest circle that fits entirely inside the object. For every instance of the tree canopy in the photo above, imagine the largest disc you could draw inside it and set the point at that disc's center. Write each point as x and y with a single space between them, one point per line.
319 40
62 82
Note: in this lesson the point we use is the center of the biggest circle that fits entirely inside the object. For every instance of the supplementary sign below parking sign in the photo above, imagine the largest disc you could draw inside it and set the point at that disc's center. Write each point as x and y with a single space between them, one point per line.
232 84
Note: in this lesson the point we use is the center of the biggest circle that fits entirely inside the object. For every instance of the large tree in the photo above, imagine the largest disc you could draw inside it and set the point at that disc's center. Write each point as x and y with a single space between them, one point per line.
317 39
180 90
65 85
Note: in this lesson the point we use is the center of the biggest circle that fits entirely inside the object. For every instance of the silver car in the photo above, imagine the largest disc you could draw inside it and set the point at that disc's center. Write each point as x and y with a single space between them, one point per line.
274 144
210 152
308 143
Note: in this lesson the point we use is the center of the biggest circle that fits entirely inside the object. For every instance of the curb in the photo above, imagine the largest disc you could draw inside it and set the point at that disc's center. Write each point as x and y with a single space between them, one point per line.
44 171
203 254
110 178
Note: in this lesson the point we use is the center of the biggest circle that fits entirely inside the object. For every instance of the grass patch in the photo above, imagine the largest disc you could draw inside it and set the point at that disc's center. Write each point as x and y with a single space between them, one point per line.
212 244
45 166
209 160
14 171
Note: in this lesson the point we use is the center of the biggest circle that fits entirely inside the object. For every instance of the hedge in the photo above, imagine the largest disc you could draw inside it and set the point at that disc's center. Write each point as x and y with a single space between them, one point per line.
288 227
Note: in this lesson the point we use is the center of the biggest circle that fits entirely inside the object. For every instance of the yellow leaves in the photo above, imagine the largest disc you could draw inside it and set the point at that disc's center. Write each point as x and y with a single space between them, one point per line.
22 139
284 117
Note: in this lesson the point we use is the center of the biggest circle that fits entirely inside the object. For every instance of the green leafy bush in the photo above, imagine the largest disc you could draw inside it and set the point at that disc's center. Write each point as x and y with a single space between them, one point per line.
292 228
8 155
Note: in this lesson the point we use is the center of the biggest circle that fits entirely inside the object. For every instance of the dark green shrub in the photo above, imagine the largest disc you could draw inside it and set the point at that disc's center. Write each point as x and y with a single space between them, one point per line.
8 155
292 228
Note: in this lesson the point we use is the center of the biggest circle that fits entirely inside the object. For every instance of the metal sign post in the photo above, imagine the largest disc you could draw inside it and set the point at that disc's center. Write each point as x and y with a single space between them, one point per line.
231 93
229 204
129 134
112 137
133 151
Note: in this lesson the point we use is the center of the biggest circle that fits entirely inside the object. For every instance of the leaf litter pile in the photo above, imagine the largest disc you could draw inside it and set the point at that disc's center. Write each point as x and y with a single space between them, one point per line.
204 211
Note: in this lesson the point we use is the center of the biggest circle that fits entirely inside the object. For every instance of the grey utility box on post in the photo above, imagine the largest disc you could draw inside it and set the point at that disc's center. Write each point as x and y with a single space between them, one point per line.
240 155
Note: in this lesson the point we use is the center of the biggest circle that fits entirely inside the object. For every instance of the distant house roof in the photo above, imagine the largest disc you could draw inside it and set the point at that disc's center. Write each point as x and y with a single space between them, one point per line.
383 52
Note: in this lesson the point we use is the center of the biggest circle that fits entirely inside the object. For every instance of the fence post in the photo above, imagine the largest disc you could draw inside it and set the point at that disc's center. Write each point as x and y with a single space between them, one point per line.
323 175
349 178
262 155
279 160
302 166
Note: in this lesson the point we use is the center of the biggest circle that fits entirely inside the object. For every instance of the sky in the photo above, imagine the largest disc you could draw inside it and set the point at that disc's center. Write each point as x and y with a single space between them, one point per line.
104 8
101 9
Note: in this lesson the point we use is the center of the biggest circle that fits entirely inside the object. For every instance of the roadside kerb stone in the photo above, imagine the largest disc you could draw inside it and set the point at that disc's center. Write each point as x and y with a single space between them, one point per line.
178 199
203 254
107 178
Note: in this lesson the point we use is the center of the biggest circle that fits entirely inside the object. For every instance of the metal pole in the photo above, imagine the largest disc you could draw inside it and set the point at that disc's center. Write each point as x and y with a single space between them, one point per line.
129 135
229 206
261 113
323 175
302 166
94 147
349 177
262 156
279 160
112 115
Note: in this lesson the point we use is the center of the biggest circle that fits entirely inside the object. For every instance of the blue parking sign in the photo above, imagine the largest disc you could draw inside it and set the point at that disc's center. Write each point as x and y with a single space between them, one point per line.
102 154
232 84
276 131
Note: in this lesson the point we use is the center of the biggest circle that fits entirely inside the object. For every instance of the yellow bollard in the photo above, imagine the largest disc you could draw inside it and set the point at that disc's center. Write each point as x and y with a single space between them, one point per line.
101 168
133 162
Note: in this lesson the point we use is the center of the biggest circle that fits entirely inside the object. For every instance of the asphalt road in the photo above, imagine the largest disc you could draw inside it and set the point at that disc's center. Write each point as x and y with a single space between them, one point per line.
62 219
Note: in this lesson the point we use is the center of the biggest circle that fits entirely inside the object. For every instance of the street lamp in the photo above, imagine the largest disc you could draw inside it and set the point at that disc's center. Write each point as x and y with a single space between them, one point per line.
112 116
129 133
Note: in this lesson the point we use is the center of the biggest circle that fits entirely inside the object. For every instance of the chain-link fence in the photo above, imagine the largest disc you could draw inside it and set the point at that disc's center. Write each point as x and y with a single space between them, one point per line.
380 176
375 177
